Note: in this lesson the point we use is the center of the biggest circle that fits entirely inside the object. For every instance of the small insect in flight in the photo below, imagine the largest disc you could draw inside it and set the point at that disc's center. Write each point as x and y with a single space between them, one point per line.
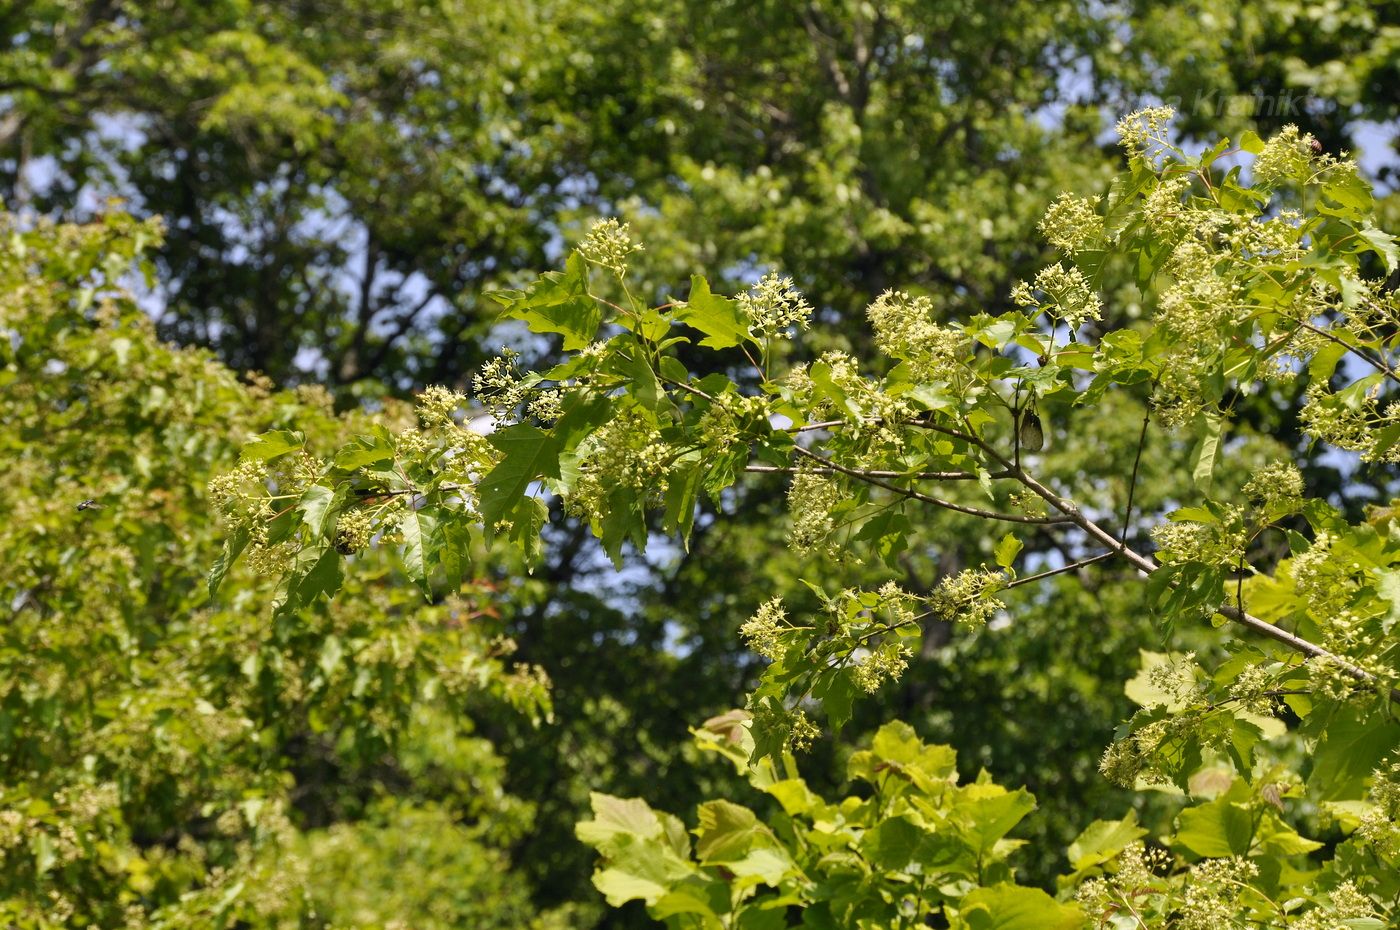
89 504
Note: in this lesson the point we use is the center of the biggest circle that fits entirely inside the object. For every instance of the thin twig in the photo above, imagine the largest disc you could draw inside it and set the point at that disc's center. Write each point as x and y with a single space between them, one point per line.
1378 364
1132 482
1148 566
875 473
937 502
1059 571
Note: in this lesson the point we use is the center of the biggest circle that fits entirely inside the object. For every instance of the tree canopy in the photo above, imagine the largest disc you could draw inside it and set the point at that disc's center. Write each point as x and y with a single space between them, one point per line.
353 201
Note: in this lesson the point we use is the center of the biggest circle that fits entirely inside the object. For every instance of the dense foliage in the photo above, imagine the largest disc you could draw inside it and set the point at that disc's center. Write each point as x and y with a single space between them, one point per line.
343 184
169 758
1247 288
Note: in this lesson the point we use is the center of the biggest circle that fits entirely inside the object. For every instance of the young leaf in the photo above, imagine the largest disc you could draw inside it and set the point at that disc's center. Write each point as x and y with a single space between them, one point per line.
272 444
719 318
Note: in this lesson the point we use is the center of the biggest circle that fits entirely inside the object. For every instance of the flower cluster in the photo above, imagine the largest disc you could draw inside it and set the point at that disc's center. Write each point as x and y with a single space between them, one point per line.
874 414
968 596
547 406
1141 130
1137 875
886 662
1322 578
904 329
1276 485
1072 223
1380 826
626 453
795 727
1221 543
608 244
811 499
353 531
773 305
1176 678
1212 898
763 631
437 406
1287 155
1353 424
1250 690
500 385
240 496
1067 295
721 424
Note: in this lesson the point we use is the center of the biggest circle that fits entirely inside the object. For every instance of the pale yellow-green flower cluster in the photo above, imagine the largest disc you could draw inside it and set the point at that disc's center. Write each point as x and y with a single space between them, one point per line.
1220 543
353 531
1072 223
1354 426
763 631
811 499
796 727
1249 690
874 415
240 496
1212 898
437 406
1141 131
968 597
904 329
1063 293
1176 679
1380 824
1321 578
1137 873
500 385
625 453
608 245
1278 484
547 406
886 662
1287 155
774 305
719 425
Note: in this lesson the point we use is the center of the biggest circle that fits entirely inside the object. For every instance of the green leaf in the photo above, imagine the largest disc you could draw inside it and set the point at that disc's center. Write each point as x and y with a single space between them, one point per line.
1007 550
365 450
1203 462
315 571
837 692
233 547
891 843
1104 839
1010 907
1351 746
646 852
530 454
984 820
682 493
1382 243
1347 196
273 444
557 302
417 528
726 831
719 318
315 505
454 552
1217 829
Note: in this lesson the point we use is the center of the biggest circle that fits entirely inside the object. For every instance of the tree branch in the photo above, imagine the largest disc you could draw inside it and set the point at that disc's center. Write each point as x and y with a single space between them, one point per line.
1149 566
935 501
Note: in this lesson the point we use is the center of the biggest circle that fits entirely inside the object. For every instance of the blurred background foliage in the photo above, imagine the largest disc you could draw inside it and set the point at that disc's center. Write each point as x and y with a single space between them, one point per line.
340 184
